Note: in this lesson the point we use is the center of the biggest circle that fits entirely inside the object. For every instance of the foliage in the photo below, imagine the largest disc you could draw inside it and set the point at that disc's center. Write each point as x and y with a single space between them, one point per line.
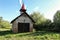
38 18
0 21
57 21
46 26
4 24
41 22
57 17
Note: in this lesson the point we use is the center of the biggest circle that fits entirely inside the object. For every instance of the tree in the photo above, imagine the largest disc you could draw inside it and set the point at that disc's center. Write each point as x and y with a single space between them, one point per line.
41 22
0 21
57 20
38 18
57 17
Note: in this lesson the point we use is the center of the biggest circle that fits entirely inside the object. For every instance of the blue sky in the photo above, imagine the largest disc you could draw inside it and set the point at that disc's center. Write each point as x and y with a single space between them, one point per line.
9 9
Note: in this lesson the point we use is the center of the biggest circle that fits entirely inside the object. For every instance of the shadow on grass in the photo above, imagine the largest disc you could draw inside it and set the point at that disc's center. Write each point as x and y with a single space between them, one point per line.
41 33
2 33
33 34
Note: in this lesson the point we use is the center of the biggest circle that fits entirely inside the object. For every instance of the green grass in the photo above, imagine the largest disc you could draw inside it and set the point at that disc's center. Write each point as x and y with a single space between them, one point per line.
7 34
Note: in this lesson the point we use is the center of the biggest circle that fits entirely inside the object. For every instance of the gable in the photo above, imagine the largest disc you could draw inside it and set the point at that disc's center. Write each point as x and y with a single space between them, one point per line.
23 16
24 19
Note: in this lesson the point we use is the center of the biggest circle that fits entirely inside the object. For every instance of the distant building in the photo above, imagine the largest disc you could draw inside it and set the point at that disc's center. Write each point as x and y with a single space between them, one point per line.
22 23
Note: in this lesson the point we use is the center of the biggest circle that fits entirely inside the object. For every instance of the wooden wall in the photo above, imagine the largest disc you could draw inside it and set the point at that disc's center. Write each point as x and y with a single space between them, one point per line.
21 20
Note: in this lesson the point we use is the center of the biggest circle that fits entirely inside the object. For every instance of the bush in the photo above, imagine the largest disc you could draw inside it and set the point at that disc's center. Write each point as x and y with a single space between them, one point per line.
44 26
4 23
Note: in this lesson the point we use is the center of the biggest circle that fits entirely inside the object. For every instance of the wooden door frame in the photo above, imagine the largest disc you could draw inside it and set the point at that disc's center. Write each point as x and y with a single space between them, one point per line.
23 26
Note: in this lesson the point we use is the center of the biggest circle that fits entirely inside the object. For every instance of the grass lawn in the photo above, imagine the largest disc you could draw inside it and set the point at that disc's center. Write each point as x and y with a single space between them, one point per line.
6 34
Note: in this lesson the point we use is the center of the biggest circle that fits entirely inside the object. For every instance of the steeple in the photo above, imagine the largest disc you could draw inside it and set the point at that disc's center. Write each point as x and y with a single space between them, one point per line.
23 8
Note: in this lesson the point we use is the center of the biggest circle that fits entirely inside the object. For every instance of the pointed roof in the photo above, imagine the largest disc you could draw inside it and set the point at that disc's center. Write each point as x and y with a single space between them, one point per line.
21 15
23 7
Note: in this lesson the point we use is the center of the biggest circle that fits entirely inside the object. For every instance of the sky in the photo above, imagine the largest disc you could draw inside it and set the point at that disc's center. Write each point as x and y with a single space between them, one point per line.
9 9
